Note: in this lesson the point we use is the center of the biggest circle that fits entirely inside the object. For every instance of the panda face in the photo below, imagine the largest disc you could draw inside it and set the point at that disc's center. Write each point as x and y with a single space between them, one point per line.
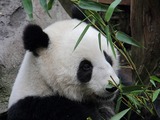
84 73
80 74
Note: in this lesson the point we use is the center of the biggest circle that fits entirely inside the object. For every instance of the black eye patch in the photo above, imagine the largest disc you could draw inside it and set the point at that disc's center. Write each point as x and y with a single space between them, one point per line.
108 58
84 71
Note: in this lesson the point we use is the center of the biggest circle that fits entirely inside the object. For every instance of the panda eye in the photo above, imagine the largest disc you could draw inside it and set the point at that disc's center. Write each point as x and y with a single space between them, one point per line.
84 72
86 65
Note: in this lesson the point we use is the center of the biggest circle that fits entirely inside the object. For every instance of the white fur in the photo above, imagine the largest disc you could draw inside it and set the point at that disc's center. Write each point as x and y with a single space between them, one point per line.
55 70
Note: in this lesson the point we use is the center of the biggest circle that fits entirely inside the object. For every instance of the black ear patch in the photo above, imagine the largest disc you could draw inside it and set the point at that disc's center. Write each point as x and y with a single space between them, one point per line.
34 38
77 13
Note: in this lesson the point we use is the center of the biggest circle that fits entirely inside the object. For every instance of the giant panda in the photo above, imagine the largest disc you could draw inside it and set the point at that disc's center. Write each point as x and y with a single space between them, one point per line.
58 82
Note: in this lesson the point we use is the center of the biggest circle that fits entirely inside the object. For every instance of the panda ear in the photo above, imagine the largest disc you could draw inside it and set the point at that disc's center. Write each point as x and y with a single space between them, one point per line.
34 38
77 13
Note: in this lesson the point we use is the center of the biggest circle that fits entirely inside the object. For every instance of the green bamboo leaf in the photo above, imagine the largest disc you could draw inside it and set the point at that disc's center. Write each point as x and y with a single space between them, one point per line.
111 10
87 17
133 100
28 7
119 115
155 95
91 5
98 19
154 78
118 104
99 41
50 4
126 39
134 88
89 118
95 17
136 92
153 83
82 35
45 6
109 39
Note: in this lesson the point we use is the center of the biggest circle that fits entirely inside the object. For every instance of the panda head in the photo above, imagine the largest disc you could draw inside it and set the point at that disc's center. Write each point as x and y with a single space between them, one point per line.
80 74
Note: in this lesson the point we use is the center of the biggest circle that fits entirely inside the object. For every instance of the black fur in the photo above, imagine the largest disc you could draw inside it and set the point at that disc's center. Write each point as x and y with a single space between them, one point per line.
111 90
34 38
84 73
3 116
52 108
108 58
77 13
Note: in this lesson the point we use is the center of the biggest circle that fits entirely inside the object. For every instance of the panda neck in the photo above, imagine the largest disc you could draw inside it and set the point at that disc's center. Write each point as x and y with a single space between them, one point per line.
29 82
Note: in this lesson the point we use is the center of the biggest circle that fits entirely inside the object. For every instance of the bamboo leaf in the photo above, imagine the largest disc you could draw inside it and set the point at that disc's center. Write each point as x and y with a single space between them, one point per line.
133 100
153 83
154 78
28 7
98 19
50 4
109 39
45 6
155 95
89 118
136 92
118 104
134 88
99 41
91 5
87 17
119 115
126 39
111 10
82 35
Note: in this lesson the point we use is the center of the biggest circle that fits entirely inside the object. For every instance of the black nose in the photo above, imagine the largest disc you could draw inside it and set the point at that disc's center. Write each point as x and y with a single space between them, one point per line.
113 89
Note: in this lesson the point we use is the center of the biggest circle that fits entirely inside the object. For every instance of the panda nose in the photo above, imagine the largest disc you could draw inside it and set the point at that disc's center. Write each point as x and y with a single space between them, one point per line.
113 89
